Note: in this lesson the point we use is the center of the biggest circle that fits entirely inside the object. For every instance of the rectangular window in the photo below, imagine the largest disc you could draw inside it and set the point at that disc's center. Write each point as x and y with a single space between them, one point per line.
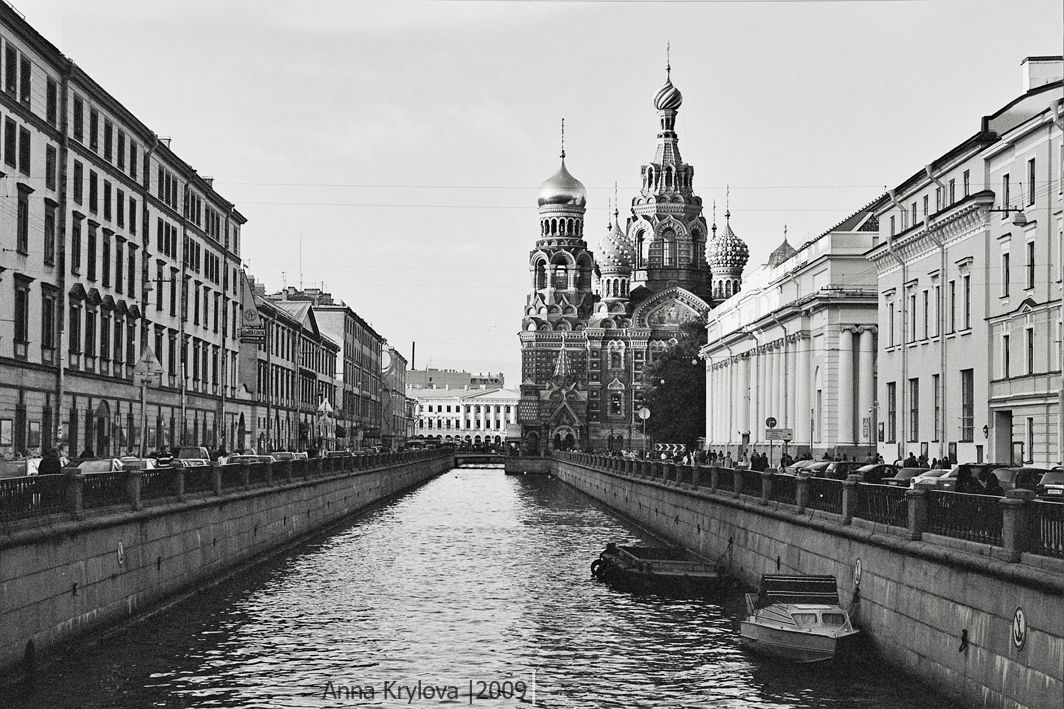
938 199
1005 273
967 404
160 284
75 245
1029 348
132 159
120 151
49 232
22 229
935 384
74 327
105 259
120 208
1028 265
79 183
892 412
119 265
1028 448
24 148
50 167
927 314
93 191
51 102
22 317
105 336
937 324
1006 356
106 200
132 272
79 120
912 318
914 213
1030 181
966 281
108 138
893 227
1005 195
24 81
90 257
10 142
952 191
94 129
967 181
48 321
132 216
90 332
11 69
926 201
951 325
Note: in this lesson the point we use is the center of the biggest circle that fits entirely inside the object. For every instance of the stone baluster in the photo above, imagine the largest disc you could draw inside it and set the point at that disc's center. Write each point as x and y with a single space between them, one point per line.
766 486
916 501
801 493
75 491
849 496
177 482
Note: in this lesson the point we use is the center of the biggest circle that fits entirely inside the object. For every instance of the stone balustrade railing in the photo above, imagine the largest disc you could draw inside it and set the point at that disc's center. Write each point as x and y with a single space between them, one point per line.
1015 523
73 493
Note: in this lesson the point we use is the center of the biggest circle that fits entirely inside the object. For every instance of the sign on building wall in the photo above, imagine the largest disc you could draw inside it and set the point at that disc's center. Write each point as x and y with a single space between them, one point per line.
252 330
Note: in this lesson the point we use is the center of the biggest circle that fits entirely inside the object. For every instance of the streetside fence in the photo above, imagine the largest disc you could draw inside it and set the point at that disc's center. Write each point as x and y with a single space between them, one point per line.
73 492
1016 522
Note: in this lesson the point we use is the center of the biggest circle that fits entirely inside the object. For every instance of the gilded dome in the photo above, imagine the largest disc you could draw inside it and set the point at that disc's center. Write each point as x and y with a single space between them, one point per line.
727 251
562 188
615 252
668 97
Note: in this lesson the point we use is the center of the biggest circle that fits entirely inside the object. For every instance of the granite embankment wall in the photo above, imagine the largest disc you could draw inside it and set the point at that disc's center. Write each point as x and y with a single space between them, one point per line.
81 564
918 598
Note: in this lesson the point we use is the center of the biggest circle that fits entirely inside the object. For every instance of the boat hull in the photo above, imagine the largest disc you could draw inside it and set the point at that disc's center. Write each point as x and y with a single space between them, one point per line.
794 645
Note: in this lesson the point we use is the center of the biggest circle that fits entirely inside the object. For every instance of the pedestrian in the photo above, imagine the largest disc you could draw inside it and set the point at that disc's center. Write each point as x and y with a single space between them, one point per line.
911 461
990 483
50 463
966 483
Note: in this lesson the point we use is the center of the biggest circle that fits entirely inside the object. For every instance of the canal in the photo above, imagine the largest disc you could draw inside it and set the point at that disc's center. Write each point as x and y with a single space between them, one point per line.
475 580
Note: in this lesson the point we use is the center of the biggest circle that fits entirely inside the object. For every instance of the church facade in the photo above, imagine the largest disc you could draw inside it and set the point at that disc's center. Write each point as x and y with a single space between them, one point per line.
592 323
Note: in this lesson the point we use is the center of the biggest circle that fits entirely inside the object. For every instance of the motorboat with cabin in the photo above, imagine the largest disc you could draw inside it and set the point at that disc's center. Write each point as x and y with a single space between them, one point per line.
655 569
797 618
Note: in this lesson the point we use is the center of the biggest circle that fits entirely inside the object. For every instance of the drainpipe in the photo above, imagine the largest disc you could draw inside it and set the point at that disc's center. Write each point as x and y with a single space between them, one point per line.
220 415
943 399
184 315
146 274
61 347
757 377
904 348
1057 111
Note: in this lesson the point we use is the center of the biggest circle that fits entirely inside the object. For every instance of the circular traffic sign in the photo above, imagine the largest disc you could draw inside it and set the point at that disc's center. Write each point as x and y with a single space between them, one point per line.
857 574
1019 629
770 422
643 413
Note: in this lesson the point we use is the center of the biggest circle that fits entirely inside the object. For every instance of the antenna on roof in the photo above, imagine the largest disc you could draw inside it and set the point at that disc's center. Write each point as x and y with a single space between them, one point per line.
563 139
300 260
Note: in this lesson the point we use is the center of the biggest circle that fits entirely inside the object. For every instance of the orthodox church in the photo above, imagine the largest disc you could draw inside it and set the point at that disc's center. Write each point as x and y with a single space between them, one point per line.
593 323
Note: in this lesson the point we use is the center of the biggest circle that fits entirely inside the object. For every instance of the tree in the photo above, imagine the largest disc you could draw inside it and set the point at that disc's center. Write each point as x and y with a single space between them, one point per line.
674 387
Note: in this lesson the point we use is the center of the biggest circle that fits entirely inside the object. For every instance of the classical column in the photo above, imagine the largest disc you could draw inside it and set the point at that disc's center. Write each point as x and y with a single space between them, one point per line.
729 419
844 435
773 383
757 396
710 418
781 382
866 387
803 385
743 424
792 382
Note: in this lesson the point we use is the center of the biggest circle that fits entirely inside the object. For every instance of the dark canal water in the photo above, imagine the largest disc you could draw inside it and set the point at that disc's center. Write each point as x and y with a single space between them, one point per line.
476 577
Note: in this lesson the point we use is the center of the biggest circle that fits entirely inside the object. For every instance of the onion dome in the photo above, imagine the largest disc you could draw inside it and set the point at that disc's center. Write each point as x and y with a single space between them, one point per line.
727 251
562 188
615 252
668 97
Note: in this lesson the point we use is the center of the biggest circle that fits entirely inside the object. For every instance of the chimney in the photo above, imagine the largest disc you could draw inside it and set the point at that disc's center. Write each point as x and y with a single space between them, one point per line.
1039 71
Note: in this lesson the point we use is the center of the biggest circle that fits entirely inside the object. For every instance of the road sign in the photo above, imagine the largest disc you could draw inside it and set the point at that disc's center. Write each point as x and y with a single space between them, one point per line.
643 413
779 434
148 364
770 422
866 427
670 447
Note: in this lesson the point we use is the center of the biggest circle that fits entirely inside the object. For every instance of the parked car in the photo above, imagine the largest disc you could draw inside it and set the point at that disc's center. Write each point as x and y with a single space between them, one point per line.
250 458
875 472
19 468
283 455
1051 486
949 480
192 457
130 462
1017 477
100 465
904 477
817 469
840 469
929 476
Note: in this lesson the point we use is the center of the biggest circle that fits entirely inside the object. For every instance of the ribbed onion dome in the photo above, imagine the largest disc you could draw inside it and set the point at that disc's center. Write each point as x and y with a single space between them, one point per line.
615 252
668 97
562 188
727 251
783 252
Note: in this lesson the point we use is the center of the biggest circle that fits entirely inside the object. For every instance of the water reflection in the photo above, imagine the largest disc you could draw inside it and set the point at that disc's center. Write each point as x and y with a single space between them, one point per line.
476 576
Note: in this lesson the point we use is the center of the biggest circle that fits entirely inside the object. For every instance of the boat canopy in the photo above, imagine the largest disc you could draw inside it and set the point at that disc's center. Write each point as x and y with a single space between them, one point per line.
798 589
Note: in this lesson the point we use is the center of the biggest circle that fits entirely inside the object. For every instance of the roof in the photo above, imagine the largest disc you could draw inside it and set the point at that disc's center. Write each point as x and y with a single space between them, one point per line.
464 394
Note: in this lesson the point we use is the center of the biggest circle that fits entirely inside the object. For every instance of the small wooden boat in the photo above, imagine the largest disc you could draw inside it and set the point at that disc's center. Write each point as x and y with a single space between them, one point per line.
655 569
797 618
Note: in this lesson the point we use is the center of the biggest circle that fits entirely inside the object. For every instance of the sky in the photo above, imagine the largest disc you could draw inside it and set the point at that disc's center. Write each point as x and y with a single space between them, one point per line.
392 151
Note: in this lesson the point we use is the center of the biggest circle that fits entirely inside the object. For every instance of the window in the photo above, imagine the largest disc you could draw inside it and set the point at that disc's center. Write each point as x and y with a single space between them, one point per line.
926 200
952 324
952 191
132 216
48 320
22 316
24 150
1005 273
967 404
966 281
1004 195
938 199
94 129
106 200
79 180
1005 357
1030 182
160 285
132 159
90 332
937 329
914 410
49 167
74 327
79 119
120 208
927 314
93 191
24 81
108 138
1029 347
967 179
119 264
936 385
49 232
105 258
91 255
11 66
1028 265
22 237
75 245
912 317
10 142
120 151
914 213
1028 436
51 102
105 336
892 412
893 227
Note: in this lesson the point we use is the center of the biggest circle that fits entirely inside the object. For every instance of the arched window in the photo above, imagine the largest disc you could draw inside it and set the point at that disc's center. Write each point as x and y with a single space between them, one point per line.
616 404
668 248
616 361
561 277
644 249
541 275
